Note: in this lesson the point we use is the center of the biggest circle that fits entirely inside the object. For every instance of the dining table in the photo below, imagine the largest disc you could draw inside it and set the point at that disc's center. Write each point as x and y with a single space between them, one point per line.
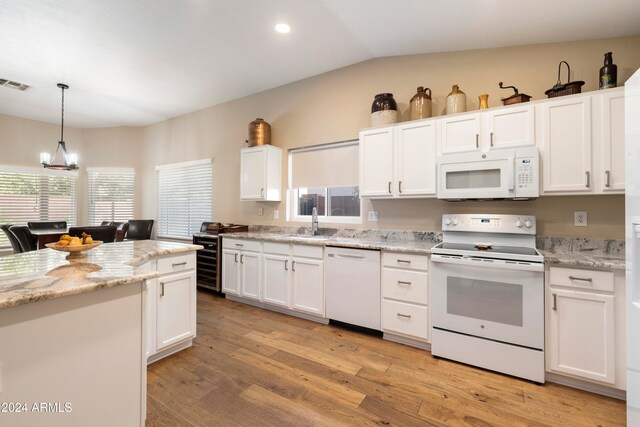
50 235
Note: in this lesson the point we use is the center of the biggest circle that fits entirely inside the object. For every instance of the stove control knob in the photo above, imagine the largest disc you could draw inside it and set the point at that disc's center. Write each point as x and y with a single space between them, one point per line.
455 221
528 224
447 221
519 224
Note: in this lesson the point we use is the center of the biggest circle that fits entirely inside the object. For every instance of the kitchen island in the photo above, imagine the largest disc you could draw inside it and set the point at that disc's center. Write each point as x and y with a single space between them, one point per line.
73 334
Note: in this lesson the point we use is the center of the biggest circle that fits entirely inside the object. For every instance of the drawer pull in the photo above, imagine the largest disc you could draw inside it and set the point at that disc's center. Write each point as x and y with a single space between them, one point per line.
389 187
286 262
241 258
178 264
407 316
262 192
555 302
161 289
402 282
608 174
404 261
235 257
582 279
399 186
239 245
491 135
588 175
477 144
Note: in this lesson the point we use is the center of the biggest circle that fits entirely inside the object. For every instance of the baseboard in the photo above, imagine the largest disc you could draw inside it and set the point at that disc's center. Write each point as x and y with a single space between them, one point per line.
277 309
586 386
169 351
406 341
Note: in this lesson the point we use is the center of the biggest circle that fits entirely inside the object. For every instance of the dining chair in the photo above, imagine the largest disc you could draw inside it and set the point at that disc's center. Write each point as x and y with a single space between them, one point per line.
122 229
44 225
105 234
15 245
26 240
139 229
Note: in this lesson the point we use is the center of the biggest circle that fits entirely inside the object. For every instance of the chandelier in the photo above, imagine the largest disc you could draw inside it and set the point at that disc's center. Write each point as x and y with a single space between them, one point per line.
70 160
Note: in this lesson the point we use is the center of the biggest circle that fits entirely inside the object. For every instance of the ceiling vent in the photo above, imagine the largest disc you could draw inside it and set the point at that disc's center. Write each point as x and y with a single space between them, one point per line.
14 85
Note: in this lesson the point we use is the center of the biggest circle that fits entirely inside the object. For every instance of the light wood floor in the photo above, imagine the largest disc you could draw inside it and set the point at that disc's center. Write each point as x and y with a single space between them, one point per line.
252 367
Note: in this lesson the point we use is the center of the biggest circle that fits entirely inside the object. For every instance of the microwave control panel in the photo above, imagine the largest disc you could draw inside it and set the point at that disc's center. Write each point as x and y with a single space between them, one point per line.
527 181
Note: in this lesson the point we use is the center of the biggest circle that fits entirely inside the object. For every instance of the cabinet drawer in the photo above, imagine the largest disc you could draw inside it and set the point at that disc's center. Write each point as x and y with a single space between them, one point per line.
402 260
582 279
405 285
175 263
406 319
276 248
242 244
307 251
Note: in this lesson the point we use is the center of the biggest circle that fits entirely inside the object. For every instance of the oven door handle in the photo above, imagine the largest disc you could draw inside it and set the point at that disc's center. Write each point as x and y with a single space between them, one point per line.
488 263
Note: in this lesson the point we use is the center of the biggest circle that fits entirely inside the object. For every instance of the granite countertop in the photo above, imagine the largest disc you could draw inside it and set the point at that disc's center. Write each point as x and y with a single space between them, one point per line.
46 274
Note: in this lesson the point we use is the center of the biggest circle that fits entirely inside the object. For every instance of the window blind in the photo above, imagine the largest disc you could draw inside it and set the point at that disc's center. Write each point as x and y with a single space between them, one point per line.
36 195
111 194
326 165
184 198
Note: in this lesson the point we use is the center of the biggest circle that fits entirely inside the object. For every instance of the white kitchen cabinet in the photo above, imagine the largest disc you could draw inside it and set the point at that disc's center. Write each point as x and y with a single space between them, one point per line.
398 161
505 127
230 272
276 289
250 274
610 176
405 298
171 304
566 146
261 173
585 325
307 276
241 268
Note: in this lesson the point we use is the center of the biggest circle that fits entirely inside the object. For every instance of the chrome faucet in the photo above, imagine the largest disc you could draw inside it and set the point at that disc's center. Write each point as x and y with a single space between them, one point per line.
314 221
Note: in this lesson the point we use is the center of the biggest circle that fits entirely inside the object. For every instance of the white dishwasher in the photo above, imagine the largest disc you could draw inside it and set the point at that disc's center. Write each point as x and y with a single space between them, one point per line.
352 282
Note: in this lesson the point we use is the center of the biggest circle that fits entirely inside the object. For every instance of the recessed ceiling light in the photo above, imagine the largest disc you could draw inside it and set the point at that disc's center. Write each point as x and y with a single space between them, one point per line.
283 28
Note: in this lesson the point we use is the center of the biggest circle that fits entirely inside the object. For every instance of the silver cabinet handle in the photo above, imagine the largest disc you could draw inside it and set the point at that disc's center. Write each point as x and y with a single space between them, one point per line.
581 279
408 316
389 187
235 257
402 282
477 141
399 186
178 264
239 245
404 261
555 302
286 261
262 192
161 289
293 266
241 258
608 174
588 175
491 138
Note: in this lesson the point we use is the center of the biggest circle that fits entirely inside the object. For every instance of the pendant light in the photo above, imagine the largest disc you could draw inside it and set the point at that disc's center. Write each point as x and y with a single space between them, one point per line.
70 160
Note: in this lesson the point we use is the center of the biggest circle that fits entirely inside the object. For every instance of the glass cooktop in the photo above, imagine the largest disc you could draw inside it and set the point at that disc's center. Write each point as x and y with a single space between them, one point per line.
513 250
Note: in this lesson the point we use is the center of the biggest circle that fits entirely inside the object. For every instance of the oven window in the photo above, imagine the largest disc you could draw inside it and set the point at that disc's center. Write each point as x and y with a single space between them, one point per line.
486 178
485 300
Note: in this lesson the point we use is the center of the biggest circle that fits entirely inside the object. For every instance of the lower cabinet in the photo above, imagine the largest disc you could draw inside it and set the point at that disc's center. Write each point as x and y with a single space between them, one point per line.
171 305
241 268
308 284
586 325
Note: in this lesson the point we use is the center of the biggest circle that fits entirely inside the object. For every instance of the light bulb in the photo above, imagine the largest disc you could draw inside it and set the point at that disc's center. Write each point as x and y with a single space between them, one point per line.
73 159
45 158
283 28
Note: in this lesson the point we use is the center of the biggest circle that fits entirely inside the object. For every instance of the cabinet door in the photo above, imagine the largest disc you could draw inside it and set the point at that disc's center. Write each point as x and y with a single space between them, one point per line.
460 133
510 127
252 174
567 145
230 272
612 143
308 285
176 308
416 159
582 335
276 279
250 275
376 163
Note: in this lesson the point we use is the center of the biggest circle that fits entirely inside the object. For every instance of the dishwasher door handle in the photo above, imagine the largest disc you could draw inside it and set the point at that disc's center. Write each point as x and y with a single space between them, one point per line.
348 256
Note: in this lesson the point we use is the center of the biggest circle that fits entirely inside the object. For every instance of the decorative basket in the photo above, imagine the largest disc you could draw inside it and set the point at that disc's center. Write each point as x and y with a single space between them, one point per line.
569 88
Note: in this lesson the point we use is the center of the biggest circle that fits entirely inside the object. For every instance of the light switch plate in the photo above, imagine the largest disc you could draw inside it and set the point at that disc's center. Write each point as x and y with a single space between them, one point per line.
261 211
276 214
373 216
580 219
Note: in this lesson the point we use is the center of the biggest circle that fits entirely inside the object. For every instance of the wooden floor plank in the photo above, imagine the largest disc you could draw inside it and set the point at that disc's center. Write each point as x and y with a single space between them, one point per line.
252 367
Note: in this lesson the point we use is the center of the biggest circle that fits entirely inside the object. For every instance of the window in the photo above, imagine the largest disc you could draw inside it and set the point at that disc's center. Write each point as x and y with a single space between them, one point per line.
325 177
184 198
111 195
36 195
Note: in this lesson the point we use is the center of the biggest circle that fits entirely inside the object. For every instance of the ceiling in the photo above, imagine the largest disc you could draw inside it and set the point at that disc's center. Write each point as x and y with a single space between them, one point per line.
133 63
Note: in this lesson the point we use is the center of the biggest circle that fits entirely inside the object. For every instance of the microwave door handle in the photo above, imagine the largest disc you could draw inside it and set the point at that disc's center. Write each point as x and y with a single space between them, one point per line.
511 175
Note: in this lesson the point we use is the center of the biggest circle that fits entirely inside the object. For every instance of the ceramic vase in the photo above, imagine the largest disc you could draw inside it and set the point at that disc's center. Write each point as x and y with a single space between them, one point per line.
483 102
420 104
456 101
384 110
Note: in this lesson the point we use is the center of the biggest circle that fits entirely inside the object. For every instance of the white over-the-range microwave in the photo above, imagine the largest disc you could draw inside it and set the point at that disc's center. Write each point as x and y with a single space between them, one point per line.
497 174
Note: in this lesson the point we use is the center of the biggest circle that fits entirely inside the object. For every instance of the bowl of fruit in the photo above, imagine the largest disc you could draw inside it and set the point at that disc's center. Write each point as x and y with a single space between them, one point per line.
74 245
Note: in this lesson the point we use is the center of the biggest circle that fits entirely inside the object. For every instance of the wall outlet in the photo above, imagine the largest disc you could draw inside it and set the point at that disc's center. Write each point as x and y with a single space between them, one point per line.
276 214
580 219
373 216
260 211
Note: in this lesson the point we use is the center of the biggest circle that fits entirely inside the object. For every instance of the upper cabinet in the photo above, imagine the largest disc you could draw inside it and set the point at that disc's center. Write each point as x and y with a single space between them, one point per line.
493 129
582 143
398 161
261 173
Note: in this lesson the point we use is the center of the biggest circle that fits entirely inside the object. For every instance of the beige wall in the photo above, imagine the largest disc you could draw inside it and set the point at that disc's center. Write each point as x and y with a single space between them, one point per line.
335 105
22 141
